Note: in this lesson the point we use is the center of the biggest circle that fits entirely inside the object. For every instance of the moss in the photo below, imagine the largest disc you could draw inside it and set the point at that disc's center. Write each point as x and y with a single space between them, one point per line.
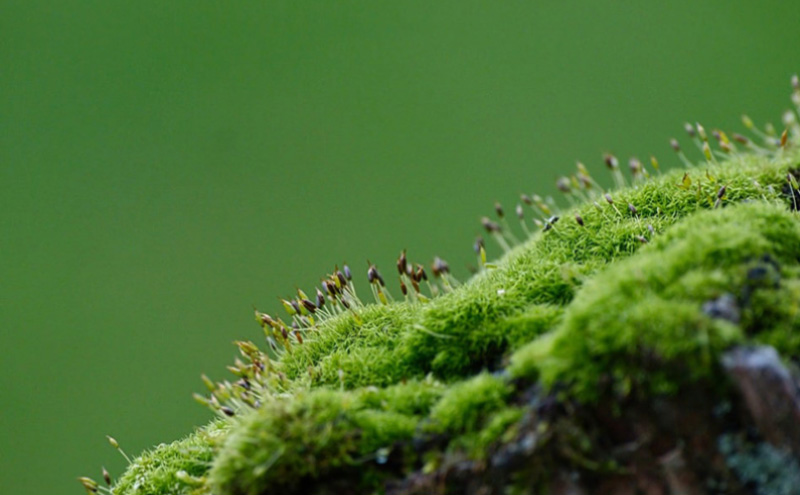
773 316
500 426
635 301
292 440
466 404
174 469
403 341
641 322
367 354
288 443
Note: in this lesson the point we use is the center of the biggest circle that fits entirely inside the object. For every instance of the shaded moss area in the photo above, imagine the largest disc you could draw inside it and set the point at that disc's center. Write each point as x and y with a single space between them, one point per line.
528 377
293 442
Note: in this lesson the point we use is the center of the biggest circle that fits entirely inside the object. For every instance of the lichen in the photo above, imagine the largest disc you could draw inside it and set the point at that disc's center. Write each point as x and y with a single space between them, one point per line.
631 296
770 471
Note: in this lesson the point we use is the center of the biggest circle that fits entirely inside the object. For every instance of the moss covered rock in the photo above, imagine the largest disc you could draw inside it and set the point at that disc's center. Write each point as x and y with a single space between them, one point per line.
586 360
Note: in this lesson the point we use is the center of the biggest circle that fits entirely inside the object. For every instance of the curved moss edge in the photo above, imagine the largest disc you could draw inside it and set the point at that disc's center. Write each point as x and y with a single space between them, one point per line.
178 467
552 309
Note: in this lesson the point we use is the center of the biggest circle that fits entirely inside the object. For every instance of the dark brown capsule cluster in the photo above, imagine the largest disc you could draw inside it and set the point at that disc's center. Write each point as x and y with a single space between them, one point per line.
415 275
255 376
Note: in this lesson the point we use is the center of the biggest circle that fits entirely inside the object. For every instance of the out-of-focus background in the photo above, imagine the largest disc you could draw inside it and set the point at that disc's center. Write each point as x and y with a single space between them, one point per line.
166 165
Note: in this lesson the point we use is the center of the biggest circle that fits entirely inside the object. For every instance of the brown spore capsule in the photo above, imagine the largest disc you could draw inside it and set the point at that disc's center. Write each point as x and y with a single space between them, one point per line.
374 276
635 166
402 263
342 279
490 226
563 185
440 266
477 245
308 305
498 208
320 299
611 161
740 139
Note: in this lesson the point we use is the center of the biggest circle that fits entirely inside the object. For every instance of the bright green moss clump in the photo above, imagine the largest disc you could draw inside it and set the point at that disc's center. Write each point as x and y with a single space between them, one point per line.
466 403
293 440
624 299
642 322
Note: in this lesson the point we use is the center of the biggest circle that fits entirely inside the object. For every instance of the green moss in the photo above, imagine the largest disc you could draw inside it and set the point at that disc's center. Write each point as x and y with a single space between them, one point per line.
306 436
467 330
290 441
641 322
619 304
501 426
773 316
466 404
367 354
174 469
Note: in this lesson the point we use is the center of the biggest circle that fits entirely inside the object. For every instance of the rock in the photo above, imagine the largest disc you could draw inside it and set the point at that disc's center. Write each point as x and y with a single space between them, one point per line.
770 393
724 307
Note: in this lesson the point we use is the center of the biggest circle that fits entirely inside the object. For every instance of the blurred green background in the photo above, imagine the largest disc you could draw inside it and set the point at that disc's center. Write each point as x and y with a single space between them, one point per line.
165 165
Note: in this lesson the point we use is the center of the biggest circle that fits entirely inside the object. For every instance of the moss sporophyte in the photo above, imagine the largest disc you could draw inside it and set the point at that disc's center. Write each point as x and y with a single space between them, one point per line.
586 359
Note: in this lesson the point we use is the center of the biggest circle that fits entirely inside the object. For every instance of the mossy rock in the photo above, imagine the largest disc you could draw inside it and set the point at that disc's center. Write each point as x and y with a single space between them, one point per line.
586 360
